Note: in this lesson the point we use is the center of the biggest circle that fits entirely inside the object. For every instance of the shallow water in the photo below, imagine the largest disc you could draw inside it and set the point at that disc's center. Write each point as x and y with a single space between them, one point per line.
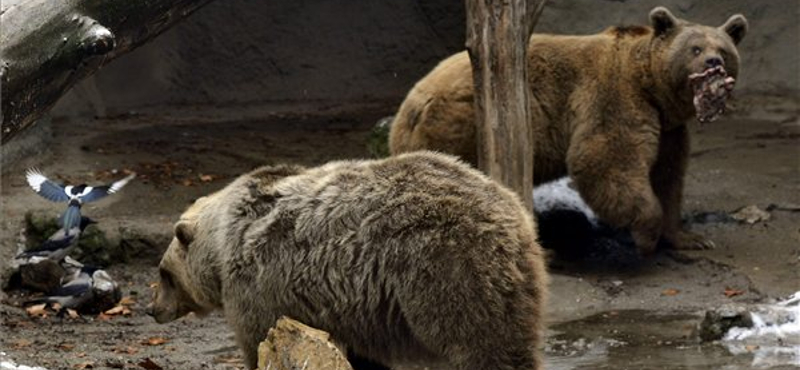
644 340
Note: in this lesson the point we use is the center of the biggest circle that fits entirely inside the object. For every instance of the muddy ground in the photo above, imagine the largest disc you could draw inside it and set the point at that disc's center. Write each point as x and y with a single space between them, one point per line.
638 317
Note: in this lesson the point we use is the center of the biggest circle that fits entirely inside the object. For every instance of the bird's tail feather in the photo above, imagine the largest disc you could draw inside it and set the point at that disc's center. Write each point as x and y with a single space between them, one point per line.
71 217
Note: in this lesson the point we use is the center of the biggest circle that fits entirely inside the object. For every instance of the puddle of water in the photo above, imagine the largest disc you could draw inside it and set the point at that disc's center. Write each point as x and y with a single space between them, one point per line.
645 340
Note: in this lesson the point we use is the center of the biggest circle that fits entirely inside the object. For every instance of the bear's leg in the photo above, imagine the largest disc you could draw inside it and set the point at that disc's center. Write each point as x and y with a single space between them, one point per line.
363 363
250 330
667 177
476 322
612 173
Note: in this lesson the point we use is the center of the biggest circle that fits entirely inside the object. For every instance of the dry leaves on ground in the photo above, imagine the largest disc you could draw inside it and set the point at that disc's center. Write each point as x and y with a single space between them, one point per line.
670 292
154 341
149 364
37 310
731 292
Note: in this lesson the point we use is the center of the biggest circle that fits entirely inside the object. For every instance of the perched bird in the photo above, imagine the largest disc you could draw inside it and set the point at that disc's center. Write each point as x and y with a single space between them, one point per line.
76 195
57 246
86 289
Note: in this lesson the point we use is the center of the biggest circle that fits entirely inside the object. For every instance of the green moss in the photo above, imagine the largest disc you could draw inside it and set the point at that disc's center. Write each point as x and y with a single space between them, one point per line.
378 144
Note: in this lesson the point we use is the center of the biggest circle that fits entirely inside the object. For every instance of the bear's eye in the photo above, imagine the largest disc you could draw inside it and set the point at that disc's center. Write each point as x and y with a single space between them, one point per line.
696 50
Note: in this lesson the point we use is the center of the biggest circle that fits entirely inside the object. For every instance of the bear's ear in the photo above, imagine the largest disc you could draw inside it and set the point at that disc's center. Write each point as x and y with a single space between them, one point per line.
736 27
184 231
662 20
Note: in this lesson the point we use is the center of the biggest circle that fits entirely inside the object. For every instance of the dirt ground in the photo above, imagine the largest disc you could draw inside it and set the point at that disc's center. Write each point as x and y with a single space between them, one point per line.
749 157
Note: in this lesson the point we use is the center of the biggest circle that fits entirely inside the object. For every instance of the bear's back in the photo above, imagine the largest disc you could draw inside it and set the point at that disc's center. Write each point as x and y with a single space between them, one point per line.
388 196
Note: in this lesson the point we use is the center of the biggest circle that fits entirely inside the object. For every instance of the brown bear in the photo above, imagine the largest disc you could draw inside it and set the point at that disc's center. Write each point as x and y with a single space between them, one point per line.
409 259
609 110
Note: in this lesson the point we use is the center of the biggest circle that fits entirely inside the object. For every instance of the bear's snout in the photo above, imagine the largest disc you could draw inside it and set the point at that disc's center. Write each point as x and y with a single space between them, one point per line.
712 62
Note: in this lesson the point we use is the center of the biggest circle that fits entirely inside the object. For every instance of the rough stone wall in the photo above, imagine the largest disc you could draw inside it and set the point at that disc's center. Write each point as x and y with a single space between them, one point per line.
331 52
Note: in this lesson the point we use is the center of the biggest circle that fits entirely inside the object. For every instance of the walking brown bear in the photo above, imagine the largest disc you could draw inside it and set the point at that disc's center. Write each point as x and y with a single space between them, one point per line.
413 258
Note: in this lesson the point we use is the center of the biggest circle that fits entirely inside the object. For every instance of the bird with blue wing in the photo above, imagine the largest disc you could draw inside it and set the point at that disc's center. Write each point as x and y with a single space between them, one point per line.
74 195
58 245
87 289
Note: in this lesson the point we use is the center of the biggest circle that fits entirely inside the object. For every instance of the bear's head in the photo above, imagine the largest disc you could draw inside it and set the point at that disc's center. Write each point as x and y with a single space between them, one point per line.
191 277
691 59
185 269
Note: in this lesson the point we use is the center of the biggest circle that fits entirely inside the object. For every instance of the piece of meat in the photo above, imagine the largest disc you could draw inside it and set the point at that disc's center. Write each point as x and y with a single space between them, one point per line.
711 89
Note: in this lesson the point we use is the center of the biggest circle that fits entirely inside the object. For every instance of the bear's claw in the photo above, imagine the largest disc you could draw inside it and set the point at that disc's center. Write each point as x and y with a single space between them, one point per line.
691 241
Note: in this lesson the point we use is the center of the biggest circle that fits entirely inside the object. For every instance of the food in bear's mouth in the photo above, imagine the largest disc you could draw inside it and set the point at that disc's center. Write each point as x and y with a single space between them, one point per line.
711 88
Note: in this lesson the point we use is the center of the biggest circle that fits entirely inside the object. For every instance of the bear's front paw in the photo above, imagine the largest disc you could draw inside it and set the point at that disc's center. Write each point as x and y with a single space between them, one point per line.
645 241
686 240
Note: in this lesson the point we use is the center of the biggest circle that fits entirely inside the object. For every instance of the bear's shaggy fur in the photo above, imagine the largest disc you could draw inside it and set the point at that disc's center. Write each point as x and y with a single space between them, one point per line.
417 257
608 109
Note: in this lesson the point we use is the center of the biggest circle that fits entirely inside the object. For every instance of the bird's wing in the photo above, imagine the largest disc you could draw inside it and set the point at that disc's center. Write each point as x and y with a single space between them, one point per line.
101 191
48 247
44 187
72 289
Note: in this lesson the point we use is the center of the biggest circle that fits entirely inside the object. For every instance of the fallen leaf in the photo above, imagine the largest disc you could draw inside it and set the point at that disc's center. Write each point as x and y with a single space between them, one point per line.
154 341
187 182
127 301
670 292
148 364
72 313
37 310
730 292
153 285
751 347
114 311
56 307
22 343
750 214
104 317
66 346
206 178
84 365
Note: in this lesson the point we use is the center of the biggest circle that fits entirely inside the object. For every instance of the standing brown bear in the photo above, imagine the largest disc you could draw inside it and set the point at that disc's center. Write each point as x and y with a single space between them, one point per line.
414 258
609 110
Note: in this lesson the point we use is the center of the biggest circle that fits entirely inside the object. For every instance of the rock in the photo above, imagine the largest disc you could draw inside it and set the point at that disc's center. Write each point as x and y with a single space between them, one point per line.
292 345
43 276
93 248
717 322
378 144
750 214
39 225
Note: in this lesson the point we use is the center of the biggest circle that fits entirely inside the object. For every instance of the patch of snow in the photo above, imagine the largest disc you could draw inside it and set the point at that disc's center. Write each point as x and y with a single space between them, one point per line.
8 364
774 338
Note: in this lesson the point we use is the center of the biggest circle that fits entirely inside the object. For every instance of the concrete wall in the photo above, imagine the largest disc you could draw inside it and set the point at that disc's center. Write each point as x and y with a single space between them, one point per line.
328 52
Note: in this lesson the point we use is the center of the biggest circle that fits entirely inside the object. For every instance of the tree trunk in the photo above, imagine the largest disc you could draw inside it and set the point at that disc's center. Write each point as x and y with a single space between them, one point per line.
46 46
497 41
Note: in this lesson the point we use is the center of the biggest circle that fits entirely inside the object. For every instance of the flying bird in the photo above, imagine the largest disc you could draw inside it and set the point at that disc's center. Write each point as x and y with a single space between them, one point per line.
58 245
75 195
